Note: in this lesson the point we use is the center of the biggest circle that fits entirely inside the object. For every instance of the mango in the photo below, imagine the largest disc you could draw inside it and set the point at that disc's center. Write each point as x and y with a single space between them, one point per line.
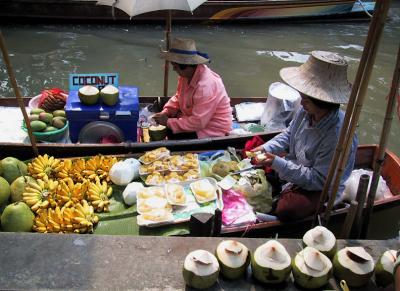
38 125
33 117
59 113
49 129
36 111
46 117
59 122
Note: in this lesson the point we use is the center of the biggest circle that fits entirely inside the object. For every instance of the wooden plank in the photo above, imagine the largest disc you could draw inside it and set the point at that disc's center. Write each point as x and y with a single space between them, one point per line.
40 261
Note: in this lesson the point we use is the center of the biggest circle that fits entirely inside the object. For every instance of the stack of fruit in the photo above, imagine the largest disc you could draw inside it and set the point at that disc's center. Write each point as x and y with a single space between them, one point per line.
42 121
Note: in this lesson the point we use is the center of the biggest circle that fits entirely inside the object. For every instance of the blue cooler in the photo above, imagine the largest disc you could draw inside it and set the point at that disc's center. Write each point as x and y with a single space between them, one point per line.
124 114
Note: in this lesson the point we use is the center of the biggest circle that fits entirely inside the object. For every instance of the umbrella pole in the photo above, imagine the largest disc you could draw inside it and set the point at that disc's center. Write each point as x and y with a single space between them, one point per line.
382 145
167 42
17 93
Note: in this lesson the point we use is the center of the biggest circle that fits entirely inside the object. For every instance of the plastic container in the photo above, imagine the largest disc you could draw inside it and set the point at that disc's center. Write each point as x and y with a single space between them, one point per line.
51 136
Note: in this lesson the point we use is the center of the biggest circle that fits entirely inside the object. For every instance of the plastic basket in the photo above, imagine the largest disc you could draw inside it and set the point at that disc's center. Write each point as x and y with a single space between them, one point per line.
51 136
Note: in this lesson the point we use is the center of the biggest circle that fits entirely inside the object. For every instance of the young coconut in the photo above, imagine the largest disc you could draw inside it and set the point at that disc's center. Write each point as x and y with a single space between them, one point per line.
233 258
311 268
109 95
354 265
271 263
88 95
321 239
384 268
200 269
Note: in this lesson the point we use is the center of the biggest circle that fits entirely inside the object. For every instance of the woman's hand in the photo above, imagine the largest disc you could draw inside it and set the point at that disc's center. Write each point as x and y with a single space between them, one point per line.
258 149
161 118
264 159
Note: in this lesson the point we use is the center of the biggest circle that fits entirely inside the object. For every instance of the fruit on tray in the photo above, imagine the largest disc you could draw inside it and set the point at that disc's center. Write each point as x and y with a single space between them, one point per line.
175 194
88 95
203 190
41 121
52 99
109 95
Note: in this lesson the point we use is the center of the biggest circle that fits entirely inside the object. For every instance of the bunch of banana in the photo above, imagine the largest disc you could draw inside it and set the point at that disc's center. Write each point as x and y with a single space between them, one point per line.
65 169
78 167
40 222
40 194
43 167
68 193
98 194
99 166
81 217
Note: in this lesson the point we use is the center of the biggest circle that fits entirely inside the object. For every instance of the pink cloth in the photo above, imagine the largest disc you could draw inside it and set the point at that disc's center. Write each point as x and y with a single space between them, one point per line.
201 106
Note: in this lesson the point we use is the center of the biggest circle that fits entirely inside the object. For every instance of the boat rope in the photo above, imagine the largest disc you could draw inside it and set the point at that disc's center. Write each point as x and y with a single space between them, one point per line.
362 6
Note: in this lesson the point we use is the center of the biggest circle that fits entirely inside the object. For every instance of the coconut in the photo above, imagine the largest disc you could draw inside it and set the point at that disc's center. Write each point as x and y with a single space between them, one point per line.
157 132
233 258
321 239
384 268
354 265
109 95
88 95
271 263
311 268
200 269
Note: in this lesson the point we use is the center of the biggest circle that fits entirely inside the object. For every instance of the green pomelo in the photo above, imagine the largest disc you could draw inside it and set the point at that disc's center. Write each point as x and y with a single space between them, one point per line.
233 258
38 125
46 117
271 263
109 95
311 268
200 269
321 239
36 111
18 186
17 217
354 265
157 132
13 168
384 269
60 113
4 191
88 95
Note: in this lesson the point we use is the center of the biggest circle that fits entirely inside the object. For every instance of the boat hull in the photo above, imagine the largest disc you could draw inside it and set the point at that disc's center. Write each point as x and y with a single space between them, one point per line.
71 10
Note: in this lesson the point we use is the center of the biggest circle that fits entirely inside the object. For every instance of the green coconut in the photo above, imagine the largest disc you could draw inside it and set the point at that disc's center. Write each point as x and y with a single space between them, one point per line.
321 239
13 168
89 95
200 269
109 95
354 265
311 268
384 268
233 258
157 132
17 217
271 263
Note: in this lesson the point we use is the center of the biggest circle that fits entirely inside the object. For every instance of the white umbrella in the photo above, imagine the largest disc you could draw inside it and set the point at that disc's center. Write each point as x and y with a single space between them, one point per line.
136 7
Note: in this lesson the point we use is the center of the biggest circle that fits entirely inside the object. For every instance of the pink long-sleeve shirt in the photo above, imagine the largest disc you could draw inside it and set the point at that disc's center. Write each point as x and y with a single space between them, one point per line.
201 106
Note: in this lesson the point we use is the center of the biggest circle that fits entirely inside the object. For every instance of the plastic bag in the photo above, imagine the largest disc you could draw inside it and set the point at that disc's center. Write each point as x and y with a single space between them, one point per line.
256 189
236 210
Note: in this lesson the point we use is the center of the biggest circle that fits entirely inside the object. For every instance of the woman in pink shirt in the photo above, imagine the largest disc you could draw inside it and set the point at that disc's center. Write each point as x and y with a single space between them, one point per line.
201 107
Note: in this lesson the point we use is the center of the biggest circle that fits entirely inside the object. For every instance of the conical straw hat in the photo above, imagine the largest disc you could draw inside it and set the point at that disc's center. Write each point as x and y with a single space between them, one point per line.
183 51
323 76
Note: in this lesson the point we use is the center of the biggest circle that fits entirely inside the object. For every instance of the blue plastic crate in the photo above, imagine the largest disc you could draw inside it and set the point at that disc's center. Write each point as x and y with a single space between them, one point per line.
125 114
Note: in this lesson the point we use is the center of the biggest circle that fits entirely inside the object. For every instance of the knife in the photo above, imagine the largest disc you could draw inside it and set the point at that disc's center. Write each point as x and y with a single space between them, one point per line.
254 167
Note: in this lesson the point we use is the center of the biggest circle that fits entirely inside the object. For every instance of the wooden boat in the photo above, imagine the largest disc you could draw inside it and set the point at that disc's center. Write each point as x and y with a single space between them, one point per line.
24 151
216 10
366 155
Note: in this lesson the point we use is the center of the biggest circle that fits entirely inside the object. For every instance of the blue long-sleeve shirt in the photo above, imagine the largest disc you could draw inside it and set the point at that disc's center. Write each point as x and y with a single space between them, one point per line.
309 150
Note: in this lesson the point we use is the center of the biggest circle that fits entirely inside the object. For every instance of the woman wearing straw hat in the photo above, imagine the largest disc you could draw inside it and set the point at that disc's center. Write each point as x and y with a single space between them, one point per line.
201 107
301 154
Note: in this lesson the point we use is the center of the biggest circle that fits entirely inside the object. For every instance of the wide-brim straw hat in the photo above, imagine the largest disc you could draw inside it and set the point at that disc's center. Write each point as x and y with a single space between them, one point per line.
183 51
323 76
